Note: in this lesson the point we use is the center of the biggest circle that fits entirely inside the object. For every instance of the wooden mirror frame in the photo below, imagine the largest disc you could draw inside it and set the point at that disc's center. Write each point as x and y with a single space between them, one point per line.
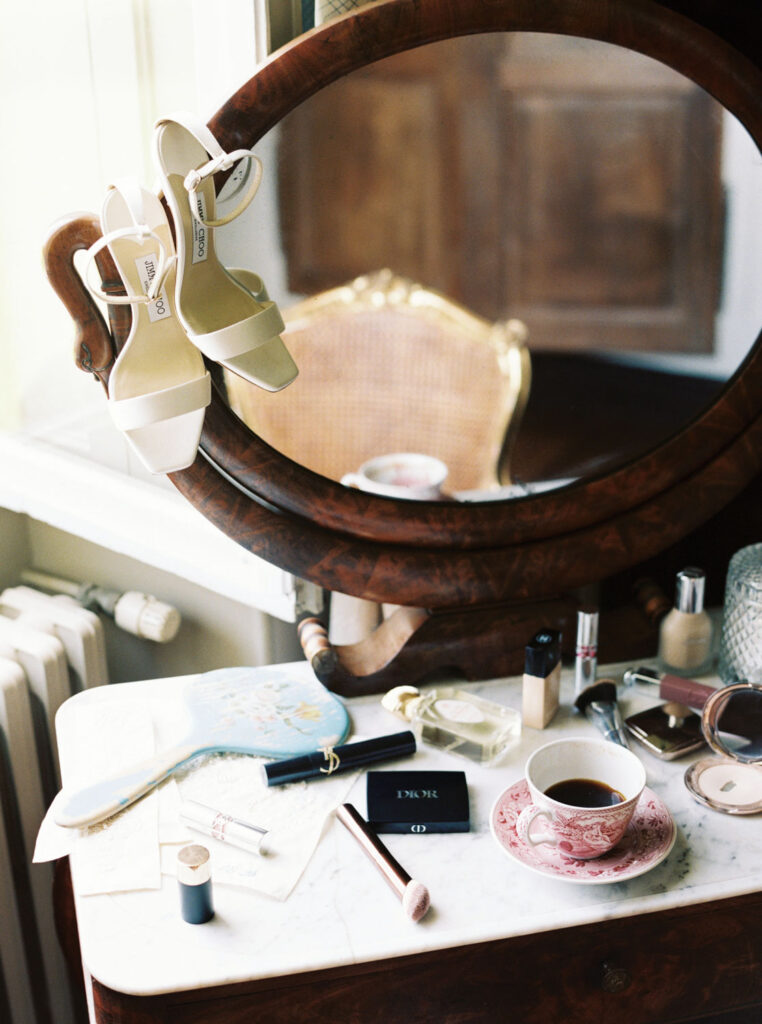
449 555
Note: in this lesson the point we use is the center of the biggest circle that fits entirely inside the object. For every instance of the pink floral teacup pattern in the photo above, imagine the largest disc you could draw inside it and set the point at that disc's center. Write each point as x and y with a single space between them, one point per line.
580 832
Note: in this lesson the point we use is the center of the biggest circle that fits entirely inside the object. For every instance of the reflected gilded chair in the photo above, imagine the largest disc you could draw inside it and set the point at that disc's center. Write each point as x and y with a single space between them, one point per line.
386 365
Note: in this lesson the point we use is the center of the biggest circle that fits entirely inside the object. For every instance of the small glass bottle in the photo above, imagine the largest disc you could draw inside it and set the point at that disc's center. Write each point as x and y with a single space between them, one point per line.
457 721
195 883
685 635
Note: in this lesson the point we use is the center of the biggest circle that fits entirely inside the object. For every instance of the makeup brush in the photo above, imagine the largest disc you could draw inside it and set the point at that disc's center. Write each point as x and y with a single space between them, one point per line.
669 687
598 704
414 895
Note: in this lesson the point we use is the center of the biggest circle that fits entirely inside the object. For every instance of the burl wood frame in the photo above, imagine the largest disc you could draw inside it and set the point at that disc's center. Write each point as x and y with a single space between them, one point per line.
509 558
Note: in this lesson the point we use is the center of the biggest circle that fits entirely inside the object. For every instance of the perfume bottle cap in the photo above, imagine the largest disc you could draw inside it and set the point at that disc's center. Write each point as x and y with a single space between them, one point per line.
193 866
542 653
401 701
689 590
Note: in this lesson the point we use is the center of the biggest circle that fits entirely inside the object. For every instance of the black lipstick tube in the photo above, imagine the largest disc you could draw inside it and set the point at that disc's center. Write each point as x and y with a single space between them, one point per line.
345 758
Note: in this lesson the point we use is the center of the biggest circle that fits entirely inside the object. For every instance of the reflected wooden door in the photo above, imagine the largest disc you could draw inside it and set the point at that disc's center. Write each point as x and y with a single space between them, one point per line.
573 184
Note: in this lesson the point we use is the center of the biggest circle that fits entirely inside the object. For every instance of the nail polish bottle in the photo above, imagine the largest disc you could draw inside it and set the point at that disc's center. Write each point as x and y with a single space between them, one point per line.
195 882
542 678
685 635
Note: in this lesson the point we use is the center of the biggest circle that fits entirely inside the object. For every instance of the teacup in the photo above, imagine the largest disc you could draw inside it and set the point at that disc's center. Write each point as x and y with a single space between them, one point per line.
592 826
409 475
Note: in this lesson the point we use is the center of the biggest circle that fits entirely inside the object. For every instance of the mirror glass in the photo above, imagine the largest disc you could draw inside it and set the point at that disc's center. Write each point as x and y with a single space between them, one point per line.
733 722
586 193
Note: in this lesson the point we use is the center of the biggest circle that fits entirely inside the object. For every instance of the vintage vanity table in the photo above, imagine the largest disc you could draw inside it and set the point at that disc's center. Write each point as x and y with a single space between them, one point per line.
488 574
501 942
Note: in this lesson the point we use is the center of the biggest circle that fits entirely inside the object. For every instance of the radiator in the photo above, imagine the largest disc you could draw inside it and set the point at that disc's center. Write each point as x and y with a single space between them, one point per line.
50 648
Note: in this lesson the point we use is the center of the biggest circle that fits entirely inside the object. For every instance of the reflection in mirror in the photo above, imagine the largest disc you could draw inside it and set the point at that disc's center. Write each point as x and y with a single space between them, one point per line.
733 722
582 190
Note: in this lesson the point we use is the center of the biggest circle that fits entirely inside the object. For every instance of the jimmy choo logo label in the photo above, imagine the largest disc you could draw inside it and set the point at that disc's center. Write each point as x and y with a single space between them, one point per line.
200 241
417 794
146 267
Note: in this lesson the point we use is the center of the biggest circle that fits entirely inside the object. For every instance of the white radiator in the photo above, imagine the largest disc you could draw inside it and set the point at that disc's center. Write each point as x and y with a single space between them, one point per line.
50 648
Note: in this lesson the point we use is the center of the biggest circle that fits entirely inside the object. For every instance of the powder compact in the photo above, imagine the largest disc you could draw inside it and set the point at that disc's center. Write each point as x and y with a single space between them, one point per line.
731 722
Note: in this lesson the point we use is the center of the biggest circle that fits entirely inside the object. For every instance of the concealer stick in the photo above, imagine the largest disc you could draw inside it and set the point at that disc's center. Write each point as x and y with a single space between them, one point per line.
414 895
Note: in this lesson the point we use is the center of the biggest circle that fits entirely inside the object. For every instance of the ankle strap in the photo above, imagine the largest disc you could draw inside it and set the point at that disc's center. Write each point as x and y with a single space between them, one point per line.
139 231
220 161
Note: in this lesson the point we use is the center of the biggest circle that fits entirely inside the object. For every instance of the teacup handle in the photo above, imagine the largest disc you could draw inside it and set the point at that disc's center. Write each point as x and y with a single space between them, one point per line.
352 480
524 824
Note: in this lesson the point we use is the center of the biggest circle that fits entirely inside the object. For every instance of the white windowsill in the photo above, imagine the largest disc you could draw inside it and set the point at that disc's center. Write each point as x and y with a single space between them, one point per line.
142 519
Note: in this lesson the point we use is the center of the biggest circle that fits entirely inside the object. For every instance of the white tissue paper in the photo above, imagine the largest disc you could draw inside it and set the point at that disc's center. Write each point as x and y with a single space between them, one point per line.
132 849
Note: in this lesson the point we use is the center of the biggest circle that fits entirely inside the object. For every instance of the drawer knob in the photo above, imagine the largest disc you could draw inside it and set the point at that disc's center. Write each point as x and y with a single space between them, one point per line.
615 979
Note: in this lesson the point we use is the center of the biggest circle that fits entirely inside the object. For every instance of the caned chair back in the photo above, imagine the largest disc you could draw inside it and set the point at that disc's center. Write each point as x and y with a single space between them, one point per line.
386 365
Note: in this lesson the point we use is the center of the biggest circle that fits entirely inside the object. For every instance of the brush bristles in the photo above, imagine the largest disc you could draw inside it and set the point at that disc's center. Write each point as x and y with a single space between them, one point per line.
415 900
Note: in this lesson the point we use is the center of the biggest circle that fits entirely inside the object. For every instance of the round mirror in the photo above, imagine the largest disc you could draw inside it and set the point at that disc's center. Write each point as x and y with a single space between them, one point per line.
607 210
630 504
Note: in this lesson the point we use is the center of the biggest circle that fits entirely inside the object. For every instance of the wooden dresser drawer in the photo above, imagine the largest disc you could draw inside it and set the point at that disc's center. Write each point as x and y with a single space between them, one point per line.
657 968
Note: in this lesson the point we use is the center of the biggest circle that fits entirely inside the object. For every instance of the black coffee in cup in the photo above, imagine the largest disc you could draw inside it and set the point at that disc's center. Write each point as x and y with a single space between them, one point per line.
584 793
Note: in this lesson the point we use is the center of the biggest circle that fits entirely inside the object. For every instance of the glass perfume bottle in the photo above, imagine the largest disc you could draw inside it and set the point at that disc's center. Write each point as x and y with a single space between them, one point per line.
457 721
685 635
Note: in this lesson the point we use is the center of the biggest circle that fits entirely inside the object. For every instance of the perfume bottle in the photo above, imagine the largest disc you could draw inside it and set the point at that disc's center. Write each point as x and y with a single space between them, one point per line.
457 721
685 636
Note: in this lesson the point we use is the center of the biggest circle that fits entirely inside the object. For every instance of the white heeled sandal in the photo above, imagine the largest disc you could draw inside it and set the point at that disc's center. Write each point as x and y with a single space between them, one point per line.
158 387
220 314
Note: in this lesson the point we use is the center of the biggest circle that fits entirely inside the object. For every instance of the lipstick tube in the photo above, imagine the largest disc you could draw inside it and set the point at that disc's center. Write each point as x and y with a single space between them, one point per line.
586 652
332 760
222 826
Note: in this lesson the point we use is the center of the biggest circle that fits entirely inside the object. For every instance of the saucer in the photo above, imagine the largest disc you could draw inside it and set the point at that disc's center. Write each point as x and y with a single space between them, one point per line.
649 838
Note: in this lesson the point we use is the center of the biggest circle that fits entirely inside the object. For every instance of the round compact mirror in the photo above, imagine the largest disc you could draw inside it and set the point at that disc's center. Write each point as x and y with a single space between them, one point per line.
732 726
732 722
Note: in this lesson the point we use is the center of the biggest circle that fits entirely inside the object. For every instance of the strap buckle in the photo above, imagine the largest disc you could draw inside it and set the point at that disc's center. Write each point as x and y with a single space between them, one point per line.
198 175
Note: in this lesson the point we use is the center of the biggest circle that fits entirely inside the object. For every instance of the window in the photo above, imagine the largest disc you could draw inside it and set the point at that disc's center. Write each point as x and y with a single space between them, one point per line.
83 83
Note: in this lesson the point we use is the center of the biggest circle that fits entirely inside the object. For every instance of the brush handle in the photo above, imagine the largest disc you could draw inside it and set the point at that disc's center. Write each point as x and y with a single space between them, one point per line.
94 803
390 868
670 687
684 691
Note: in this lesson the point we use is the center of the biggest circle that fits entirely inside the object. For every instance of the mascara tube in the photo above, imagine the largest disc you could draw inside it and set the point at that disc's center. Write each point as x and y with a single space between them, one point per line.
332 760
222 826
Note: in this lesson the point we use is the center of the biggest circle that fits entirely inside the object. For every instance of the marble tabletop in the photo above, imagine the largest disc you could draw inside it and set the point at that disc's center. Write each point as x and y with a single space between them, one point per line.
342 912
